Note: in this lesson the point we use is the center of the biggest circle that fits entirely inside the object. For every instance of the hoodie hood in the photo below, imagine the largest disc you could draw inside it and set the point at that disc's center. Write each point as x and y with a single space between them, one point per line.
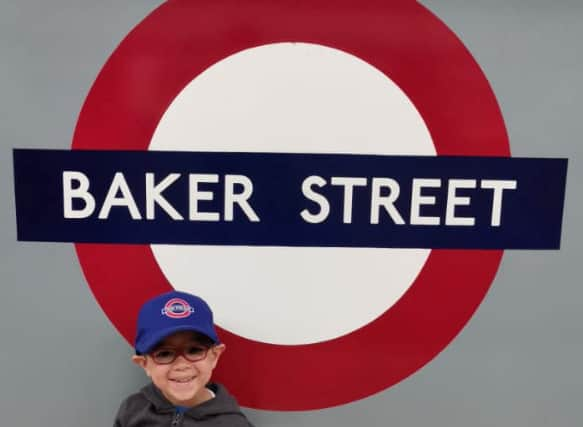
222 404
150 407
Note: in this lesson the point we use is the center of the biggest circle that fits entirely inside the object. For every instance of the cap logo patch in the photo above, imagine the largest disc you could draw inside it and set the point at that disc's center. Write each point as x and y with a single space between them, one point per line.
177 308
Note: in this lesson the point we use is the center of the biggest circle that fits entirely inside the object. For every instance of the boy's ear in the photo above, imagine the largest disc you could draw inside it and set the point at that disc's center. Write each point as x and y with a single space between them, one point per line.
139 360
217 350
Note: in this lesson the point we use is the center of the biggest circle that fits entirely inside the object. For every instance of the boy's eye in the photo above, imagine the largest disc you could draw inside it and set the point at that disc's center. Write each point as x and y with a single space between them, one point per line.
194 351
164 354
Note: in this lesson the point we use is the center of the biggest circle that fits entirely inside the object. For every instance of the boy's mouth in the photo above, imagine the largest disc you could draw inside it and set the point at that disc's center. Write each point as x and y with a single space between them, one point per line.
182 380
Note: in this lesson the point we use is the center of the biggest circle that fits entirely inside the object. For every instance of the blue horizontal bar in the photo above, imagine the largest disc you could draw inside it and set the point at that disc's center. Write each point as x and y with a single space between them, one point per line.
528 216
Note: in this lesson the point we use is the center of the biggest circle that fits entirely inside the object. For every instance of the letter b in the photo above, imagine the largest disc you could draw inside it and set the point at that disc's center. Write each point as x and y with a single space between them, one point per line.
80 192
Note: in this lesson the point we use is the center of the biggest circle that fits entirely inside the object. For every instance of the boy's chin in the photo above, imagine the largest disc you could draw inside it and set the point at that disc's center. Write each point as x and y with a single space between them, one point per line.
185 394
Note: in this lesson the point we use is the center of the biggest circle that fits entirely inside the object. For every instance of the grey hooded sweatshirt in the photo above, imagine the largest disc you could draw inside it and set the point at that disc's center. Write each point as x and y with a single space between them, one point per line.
150 408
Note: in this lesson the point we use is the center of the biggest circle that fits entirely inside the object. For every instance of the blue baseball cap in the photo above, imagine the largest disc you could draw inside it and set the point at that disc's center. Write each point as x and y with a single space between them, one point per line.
169 313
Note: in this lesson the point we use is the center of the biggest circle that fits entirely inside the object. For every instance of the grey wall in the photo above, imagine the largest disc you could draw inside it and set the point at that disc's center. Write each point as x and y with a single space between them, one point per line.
516 363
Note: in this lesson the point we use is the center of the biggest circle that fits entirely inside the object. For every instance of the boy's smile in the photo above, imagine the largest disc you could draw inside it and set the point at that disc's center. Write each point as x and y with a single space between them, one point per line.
183 382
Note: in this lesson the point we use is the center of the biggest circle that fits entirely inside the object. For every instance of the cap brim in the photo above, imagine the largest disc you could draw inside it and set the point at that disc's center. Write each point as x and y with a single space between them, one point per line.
148 345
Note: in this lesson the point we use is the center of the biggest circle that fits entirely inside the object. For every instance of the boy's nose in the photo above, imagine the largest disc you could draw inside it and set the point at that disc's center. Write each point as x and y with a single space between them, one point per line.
181 361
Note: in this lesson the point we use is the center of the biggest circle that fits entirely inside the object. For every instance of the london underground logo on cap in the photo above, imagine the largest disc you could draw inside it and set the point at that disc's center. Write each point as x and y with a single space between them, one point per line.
177 308
325 186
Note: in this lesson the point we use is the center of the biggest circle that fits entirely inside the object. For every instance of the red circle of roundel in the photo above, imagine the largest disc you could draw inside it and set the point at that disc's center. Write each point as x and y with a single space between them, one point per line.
177 308
419 53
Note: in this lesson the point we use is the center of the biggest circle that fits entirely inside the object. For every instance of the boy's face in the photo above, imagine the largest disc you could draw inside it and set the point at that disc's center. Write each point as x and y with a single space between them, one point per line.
182 382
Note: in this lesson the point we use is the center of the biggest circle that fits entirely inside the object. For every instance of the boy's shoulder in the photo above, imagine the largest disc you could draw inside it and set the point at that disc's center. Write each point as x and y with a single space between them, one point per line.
134 409
149 406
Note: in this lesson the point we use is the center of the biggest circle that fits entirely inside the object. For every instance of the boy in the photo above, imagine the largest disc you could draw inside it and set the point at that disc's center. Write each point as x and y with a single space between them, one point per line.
178 348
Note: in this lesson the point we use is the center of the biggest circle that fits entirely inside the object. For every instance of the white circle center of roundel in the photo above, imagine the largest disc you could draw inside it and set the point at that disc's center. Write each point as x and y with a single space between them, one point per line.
303 98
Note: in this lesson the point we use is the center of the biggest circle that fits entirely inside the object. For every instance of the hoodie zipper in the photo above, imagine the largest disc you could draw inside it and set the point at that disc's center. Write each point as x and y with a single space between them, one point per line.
177 419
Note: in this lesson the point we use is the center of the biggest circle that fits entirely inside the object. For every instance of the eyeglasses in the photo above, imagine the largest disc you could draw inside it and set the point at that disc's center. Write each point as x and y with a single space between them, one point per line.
167 355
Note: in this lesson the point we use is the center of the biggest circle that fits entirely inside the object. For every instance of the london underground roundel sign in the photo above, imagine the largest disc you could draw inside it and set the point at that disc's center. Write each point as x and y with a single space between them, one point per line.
213 76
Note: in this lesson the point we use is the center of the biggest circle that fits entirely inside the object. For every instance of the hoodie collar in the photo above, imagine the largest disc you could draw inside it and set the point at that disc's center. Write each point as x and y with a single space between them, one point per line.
222 403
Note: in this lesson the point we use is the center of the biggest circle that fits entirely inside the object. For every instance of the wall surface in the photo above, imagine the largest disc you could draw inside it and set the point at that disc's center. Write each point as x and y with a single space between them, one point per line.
516 363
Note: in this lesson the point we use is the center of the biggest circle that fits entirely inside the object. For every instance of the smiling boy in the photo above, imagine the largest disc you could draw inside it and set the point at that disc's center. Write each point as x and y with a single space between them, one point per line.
178 348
